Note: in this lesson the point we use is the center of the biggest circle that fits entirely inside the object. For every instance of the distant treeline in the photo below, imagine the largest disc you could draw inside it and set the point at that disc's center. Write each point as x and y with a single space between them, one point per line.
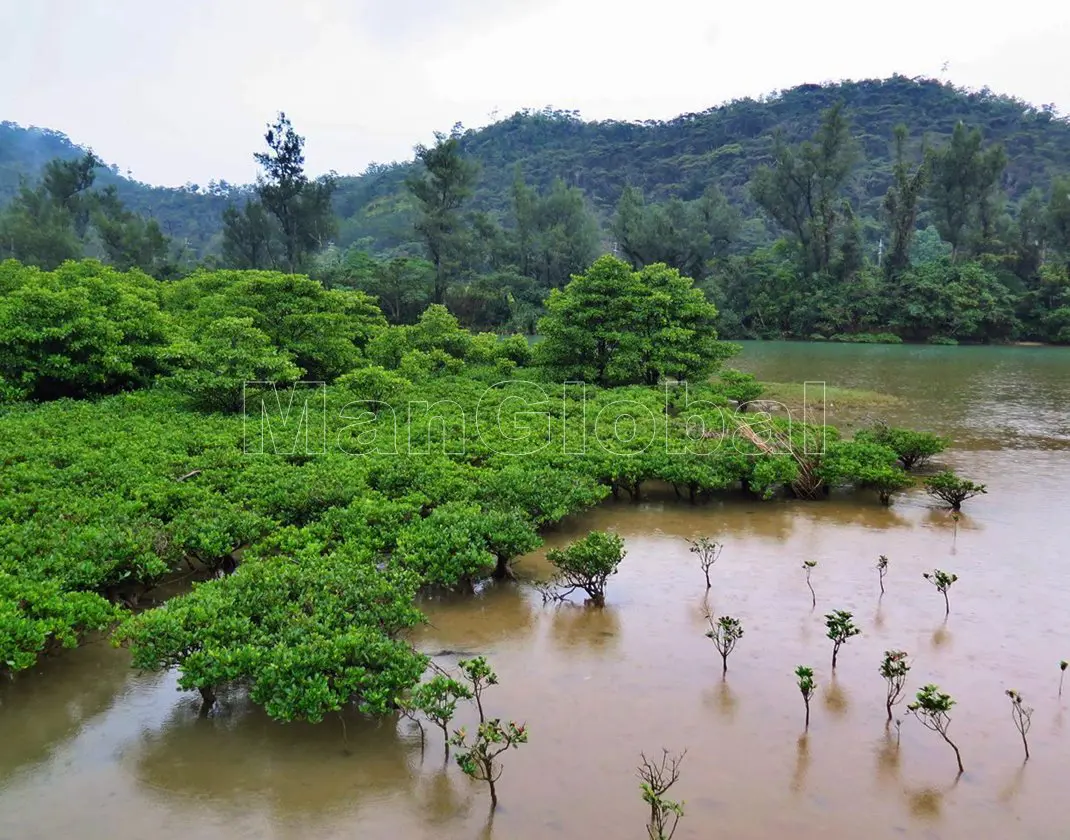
936 232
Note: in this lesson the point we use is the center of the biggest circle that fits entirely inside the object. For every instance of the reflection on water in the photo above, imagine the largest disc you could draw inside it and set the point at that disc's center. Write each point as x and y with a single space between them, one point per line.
888 758
926 803
802 763
575 629
941 637
90 749
724 699
836 700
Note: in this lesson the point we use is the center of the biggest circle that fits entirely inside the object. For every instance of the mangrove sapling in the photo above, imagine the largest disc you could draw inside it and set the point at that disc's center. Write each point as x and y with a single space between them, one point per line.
437 701
1022 716
933 708
807 687
708 551
480 675
808 567
655 781
725 632
894 668
840 629
942 581
882 570
586 564
1062 674
478 759
952 490
407 709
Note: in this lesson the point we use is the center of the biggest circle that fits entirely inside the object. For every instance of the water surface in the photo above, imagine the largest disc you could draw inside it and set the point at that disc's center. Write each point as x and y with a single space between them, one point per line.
91 749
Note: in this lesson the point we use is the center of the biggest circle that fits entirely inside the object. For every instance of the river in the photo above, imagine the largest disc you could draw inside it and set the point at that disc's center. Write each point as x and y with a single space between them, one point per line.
90 749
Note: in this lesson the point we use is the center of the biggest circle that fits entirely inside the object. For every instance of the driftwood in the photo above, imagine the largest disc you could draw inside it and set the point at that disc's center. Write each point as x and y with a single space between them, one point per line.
808 483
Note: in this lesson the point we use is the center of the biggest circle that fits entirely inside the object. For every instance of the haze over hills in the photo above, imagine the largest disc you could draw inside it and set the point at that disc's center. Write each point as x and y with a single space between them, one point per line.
677 158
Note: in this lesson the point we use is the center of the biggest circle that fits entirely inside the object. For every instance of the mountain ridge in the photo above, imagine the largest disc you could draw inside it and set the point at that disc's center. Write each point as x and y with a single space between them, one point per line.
721 145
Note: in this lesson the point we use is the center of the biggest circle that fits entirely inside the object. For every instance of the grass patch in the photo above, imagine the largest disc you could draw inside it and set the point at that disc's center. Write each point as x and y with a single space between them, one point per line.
836 399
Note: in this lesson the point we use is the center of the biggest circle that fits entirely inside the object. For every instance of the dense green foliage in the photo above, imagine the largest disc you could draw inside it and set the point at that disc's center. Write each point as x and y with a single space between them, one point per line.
587 565
424 458
615 326
906 209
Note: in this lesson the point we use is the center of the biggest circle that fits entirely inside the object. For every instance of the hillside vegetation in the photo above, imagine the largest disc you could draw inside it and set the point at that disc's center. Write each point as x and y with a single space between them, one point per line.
880 210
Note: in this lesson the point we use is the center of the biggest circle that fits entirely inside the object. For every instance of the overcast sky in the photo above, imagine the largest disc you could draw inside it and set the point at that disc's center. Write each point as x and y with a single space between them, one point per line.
180 90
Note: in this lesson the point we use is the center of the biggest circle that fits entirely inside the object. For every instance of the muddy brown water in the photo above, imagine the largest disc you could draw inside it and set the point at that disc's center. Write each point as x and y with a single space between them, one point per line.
91 749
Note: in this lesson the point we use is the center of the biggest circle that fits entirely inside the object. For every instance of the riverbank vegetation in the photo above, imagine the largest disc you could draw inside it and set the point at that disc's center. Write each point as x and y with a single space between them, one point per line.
429 457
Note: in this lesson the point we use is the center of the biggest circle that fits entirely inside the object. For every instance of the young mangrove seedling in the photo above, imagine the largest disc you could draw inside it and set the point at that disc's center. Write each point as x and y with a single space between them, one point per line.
952 490
436 699
841 627
808 567
481 677
478 758
725 632
898 731
655 781
708 551
1022 716
882 570
933 708
807 687
942 581
1062 674
894 668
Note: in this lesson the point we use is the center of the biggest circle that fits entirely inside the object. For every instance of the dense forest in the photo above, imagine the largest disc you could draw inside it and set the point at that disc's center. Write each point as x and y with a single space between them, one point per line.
885 210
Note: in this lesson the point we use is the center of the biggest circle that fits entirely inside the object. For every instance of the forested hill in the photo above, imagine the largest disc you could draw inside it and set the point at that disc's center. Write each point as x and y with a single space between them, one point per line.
680 157
725 144
188 214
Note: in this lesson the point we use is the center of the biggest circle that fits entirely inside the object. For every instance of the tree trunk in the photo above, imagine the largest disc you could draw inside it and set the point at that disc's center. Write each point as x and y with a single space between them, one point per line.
958 756
807 714
502 570
207 700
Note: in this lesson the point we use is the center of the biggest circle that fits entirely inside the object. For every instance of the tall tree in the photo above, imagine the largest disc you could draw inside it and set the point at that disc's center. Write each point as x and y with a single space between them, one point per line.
555 234
1030 234
440 186
964 190
801 190
129 241
37 231
1058 217
901 203
684 235
67 183
248 236
301 207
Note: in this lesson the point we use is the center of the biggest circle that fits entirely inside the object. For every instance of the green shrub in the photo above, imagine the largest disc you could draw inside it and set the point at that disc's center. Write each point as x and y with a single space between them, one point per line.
81 329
